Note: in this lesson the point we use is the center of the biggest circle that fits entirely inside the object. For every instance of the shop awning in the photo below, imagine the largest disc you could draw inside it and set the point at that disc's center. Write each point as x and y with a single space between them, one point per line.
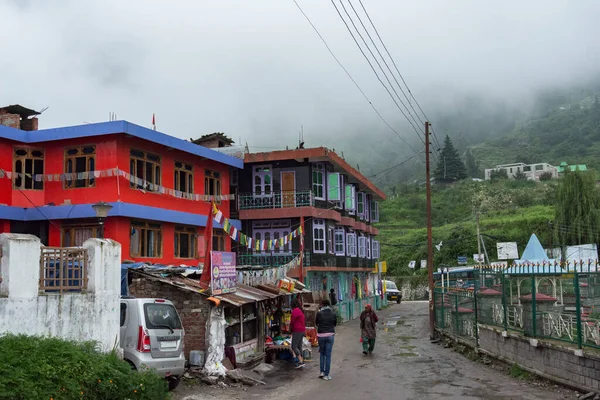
245 295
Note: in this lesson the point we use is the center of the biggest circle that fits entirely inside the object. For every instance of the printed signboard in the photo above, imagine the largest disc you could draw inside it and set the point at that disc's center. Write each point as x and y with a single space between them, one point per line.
223 276
462 260
507 251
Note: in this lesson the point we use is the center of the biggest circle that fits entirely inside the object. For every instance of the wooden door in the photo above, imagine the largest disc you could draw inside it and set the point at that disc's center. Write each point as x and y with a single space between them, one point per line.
288 188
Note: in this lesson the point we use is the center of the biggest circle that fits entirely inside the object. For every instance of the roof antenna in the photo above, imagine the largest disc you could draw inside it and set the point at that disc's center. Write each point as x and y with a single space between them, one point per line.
301 138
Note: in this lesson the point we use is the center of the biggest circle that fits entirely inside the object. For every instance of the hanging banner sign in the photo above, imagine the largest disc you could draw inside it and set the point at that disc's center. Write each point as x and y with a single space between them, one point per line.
223 276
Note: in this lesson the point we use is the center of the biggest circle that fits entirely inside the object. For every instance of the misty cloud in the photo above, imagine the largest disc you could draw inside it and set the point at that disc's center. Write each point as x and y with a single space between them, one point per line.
256 70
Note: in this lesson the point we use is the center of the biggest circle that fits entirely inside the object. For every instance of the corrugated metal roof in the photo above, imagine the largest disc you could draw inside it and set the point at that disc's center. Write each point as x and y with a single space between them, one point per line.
243 295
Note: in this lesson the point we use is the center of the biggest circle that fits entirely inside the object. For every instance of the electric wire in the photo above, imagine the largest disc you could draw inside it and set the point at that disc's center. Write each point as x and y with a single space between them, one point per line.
387 66
435 138
373 68
352 78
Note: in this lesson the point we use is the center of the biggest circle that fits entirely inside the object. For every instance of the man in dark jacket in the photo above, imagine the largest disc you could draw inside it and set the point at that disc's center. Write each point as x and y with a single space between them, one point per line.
326 322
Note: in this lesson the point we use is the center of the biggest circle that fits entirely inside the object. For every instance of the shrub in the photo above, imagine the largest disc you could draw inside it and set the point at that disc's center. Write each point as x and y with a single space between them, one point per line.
51 368
546 176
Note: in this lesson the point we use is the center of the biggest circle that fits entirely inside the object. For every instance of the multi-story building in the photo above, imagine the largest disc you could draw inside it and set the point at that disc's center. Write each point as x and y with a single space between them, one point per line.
156 186
530 171
339 206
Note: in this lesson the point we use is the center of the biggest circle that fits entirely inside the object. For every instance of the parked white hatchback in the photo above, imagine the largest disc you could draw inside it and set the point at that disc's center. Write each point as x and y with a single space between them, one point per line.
152 337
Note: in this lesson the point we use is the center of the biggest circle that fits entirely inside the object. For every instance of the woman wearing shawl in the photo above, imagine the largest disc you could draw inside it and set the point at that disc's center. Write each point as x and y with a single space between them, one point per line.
368 321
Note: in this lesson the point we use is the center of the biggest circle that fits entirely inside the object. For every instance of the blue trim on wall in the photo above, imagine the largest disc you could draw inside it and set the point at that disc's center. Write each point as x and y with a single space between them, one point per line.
115 127
76 211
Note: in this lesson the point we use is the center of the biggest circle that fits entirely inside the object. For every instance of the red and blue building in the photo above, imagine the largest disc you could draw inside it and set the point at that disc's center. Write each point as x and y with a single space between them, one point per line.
158 187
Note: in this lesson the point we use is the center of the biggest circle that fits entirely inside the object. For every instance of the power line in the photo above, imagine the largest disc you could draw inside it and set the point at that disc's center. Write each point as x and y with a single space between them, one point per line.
386 64
351 78
394 166
371 64
397 70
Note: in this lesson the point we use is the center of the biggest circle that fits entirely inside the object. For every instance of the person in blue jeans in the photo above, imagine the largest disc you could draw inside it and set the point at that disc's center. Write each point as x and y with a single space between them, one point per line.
326 322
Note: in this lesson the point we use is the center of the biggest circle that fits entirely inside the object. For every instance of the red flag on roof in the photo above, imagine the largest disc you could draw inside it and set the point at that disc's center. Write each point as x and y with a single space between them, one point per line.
153 121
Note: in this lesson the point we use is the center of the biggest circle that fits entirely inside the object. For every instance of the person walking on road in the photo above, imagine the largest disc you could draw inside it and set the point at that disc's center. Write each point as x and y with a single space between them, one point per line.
326 322
298 328
368 321
333 300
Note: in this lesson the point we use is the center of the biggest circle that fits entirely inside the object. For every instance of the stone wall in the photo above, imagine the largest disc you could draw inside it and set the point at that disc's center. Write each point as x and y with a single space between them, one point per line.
562 364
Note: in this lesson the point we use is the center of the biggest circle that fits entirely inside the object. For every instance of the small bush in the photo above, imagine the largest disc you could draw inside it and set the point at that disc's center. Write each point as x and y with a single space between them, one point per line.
519 373
51 368
546 176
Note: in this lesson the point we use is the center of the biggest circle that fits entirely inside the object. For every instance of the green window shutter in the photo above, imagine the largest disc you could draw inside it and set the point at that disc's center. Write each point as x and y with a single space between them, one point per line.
333 186
349 198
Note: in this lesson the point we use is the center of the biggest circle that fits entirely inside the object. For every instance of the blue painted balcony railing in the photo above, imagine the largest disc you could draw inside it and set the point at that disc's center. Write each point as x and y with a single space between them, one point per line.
269 259
297 198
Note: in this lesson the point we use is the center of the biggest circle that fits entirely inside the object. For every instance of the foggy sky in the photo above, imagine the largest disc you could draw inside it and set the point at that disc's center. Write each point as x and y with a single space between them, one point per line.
255 69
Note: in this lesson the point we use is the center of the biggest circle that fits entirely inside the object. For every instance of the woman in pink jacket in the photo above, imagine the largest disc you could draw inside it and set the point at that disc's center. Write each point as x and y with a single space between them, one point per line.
298 328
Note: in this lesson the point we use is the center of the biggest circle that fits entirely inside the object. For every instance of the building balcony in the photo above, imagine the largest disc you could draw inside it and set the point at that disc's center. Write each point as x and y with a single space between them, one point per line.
293 199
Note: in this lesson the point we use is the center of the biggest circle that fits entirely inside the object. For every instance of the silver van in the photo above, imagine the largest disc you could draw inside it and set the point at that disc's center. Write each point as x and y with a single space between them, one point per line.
152 337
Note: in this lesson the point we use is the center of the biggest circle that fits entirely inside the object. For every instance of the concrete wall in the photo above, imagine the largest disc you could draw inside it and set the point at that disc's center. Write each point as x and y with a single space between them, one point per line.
193 308
92 315
550 360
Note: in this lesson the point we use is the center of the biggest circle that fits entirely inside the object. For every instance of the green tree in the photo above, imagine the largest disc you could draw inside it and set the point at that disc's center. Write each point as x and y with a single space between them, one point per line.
577 210
498 174
520 176
450 167
472 165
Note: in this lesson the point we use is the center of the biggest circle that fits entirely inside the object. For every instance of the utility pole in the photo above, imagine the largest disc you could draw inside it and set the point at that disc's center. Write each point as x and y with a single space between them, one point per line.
478 238
429 235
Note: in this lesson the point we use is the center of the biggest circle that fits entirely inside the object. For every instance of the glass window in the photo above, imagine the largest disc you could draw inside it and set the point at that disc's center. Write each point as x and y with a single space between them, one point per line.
27 164
317 181
263 181
146 239
186 245
340 243
81 161
146 167
319 236
184 177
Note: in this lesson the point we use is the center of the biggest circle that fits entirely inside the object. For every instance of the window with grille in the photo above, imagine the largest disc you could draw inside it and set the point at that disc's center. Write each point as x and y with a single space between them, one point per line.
82 162
375 252
318 185
146 239
263 181
212 183
362 242
27 164
351 244
186 245
340 242
184 177
319 236
146 167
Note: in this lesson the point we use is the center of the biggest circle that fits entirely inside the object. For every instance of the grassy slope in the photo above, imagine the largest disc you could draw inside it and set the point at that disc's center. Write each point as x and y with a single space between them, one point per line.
403 233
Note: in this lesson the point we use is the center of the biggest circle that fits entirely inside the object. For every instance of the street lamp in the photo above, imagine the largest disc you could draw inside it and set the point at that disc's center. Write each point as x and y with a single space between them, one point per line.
101 209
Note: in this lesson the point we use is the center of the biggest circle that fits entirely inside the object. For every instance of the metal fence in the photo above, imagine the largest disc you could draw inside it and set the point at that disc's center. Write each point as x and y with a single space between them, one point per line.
63 269
551 302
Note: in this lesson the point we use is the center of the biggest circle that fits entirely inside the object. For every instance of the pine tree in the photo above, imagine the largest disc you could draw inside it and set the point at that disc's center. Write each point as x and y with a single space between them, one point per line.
472 165
450 167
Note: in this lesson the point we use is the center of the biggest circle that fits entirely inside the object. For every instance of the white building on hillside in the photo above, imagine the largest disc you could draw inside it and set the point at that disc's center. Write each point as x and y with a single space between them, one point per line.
531 171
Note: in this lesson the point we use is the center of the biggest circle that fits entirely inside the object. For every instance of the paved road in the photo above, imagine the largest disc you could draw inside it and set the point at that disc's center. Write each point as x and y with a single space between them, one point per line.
405 365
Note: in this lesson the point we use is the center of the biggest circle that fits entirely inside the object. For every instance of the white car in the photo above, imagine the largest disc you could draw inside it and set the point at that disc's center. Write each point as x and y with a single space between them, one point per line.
152 337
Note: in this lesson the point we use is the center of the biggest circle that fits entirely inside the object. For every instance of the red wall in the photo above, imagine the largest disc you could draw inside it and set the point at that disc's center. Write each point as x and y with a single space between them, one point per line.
113 151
